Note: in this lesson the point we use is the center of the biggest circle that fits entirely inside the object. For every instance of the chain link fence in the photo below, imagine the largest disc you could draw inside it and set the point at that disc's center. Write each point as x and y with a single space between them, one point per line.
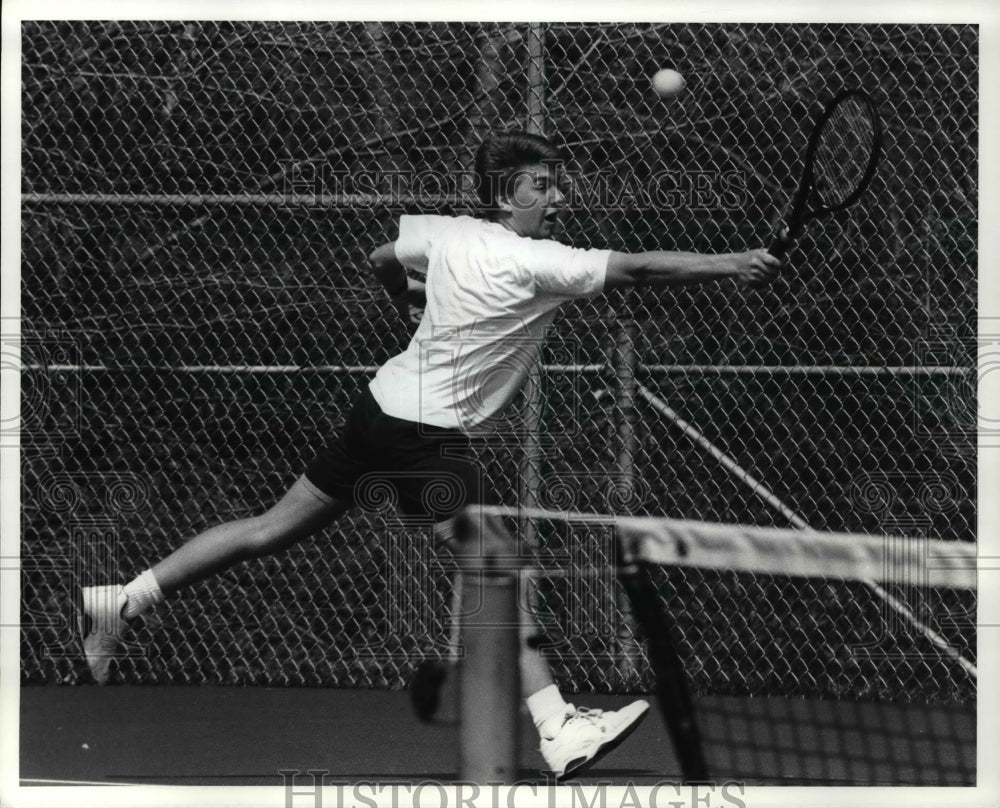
198 201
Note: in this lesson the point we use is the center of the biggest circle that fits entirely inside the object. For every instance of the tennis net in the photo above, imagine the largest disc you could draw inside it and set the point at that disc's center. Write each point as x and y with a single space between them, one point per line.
784 656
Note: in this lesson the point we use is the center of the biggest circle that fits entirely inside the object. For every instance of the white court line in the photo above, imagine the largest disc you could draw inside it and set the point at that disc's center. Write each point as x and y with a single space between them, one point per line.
38 781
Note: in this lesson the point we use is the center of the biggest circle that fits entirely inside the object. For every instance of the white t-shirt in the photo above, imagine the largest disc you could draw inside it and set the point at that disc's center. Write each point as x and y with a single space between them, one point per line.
491 295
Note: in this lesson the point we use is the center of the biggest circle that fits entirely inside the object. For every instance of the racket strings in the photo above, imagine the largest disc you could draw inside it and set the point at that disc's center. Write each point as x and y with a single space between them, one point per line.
843 151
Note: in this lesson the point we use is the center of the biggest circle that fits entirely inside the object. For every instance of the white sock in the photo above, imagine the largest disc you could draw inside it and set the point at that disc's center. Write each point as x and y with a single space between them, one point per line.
143 593
548 710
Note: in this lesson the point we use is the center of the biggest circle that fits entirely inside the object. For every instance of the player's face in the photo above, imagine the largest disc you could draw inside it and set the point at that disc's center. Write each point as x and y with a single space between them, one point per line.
536 201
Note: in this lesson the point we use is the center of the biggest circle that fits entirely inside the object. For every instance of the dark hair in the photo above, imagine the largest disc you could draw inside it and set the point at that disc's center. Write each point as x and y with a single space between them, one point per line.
500 157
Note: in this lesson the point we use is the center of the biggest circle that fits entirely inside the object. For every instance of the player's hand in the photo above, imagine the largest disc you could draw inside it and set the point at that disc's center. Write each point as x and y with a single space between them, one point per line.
416 314
757 268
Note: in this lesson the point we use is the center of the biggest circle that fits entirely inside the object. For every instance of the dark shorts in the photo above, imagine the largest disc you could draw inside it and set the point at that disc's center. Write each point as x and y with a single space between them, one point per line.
378 462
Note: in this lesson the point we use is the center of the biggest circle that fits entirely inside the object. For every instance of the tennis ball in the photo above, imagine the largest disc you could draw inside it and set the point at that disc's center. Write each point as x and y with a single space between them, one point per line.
668 83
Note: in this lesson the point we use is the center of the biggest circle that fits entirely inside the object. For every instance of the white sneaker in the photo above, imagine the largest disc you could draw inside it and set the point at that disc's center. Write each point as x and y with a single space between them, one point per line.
588 735
101 625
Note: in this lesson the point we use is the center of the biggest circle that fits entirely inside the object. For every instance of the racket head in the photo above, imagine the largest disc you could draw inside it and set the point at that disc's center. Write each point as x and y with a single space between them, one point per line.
843 152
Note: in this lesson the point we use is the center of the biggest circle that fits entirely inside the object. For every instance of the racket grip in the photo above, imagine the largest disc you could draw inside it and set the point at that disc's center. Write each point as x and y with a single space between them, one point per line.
781 245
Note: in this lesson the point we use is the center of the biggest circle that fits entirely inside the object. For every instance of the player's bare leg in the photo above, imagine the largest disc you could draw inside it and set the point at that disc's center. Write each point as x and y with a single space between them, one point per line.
296 516
106 610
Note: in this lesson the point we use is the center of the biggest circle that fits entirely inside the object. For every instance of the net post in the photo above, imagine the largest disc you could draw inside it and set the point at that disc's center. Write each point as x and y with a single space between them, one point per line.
489 687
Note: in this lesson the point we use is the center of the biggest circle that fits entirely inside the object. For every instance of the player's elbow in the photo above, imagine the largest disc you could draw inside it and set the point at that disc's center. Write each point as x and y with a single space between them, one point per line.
378 258
626 270
384 263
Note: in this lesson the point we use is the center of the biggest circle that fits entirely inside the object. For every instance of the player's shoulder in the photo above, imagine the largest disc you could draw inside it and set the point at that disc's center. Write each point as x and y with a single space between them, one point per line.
463 227
439 222
440 218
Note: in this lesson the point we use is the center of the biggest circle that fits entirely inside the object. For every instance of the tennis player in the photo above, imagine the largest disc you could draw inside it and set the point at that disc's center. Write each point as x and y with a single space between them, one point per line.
492 287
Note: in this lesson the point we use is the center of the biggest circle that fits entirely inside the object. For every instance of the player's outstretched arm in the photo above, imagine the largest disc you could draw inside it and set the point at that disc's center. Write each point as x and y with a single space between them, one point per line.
659 268
403 291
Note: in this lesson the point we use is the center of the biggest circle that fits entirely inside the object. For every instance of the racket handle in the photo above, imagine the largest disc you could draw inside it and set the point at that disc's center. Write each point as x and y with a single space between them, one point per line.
781 245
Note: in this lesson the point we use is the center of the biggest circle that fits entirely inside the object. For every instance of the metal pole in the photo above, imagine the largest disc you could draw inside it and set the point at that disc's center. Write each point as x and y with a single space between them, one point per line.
536 78
624 361
489 673
531 465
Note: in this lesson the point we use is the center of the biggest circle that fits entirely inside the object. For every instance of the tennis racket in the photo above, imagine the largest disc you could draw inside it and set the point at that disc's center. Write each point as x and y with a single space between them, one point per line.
841 159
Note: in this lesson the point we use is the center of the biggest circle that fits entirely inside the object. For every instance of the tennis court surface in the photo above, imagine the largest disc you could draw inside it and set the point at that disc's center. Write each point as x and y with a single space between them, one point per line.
246 736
